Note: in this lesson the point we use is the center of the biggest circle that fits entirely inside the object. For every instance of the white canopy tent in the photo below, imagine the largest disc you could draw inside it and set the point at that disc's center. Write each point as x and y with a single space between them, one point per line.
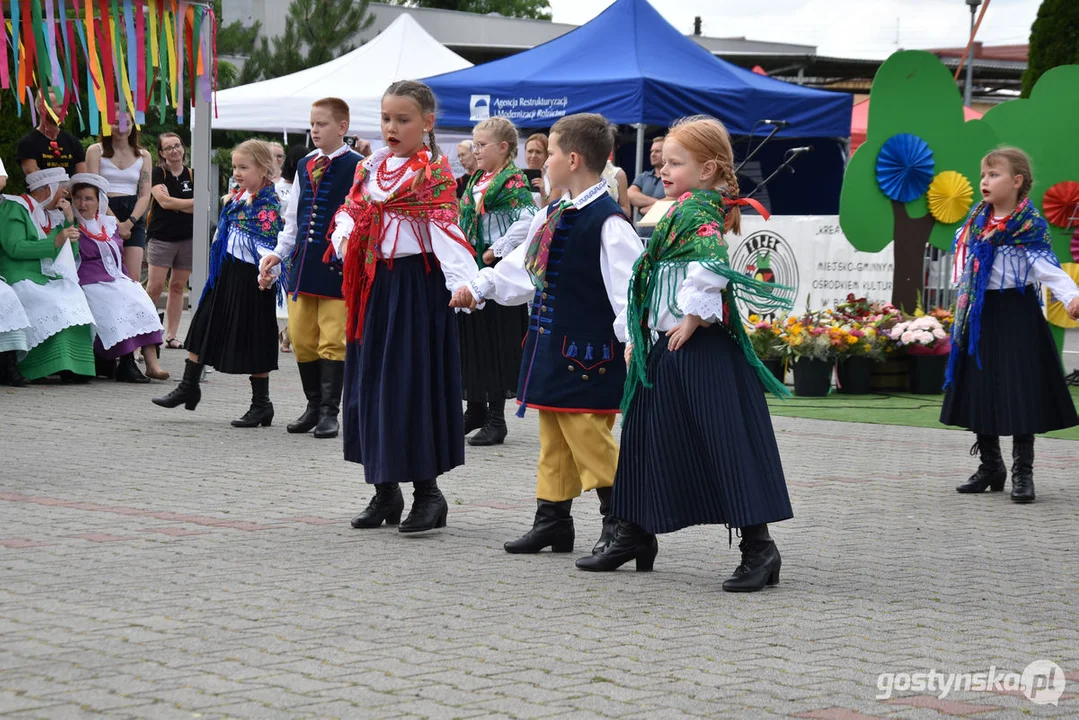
403 51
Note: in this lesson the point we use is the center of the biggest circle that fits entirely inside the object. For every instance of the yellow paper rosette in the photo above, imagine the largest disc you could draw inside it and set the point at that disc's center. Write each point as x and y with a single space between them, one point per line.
950 196
1055 312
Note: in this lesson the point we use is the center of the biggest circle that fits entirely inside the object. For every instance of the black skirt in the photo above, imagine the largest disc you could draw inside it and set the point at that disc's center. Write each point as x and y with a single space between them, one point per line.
698 447
1019 388
235 325
401 410
491 341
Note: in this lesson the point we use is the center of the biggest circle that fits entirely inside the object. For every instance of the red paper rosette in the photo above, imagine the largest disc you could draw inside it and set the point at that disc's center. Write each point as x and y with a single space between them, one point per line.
1061 204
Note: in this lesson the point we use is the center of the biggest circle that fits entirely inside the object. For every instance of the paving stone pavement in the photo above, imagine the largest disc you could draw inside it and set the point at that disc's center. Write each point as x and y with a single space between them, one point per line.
162 564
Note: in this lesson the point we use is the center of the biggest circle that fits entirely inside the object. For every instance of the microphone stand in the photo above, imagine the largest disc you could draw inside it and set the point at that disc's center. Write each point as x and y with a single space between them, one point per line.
754 151
786 165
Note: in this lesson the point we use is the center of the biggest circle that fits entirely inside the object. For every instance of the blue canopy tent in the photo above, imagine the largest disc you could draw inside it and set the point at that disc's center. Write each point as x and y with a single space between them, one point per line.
633 67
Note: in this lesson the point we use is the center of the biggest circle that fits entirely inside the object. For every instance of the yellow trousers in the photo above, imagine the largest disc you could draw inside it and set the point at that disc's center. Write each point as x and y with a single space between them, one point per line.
316 327
577 453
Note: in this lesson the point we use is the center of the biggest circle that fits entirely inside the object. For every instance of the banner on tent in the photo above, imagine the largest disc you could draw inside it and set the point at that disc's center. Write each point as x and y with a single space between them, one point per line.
527 110
811 255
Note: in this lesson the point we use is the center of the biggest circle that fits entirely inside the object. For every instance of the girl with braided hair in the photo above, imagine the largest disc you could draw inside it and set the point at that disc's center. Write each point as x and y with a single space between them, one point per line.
1004 372
697 440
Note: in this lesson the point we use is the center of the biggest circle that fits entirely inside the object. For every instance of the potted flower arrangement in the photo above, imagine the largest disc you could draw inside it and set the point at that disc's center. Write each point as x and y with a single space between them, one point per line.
809 342
926 343
768 344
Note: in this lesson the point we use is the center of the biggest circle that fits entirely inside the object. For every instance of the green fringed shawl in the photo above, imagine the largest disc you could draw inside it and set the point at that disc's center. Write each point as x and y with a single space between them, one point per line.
692 231
504 200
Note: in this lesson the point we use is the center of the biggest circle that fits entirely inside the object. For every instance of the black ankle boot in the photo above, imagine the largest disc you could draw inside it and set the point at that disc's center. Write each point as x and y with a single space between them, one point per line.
760 561
261 410
552 527
631 542
187 393
494 431
610 523
332 378
310 376
991 472
9 371
475 416
1023 469
429 508
127 370
386 506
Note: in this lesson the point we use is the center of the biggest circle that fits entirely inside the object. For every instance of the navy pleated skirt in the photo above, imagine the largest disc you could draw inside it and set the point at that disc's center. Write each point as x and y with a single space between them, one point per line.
491 342
1019 388
401 406
698 448
234 329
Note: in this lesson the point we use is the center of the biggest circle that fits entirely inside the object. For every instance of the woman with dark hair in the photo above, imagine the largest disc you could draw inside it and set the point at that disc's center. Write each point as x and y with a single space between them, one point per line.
119 159
169 254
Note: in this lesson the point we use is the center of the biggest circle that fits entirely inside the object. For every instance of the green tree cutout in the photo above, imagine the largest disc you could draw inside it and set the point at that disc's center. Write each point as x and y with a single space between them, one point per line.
912 93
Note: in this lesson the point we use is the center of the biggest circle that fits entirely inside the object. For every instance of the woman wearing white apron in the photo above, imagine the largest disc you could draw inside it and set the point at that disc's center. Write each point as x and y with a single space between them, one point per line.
13 327
37 259
125 318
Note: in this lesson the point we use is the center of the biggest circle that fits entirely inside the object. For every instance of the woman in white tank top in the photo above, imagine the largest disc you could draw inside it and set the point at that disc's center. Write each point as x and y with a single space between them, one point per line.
119 159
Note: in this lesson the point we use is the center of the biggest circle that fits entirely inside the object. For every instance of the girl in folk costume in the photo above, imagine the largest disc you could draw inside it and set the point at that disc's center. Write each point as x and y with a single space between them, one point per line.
125 318
38 243
403 252
234 329
496 211
697 440
13 328
1004 373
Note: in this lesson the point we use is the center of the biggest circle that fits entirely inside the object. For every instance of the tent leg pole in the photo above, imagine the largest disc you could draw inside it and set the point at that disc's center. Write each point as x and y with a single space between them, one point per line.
639 168
200 161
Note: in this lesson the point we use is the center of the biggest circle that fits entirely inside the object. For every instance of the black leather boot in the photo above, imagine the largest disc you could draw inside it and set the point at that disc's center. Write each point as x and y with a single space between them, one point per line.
494 431
386 506
610 523
187 393
991 473
760 561
104 369
261 410
332 378
310 377
9 371
1023 469
475 416
631 542
552 527
127 370
429 508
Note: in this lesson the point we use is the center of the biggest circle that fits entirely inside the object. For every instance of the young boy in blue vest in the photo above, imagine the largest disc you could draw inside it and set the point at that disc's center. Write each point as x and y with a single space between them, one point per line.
316 310
576 272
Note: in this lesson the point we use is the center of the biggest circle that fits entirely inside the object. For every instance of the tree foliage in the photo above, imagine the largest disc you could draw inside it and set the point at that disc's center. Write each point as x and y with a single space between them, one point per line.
1054 40
316 31
535 9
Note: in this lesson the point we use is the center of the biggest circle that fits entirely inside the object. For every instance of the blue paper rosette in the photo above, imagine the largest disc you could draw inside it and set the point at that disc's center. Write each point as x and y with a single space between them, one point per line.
904 167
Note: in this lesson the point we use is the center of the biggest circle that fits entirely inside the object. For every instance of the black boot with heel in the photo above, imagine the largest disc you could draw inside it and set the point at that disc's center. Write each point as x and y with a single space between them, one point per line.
187 393
631 542
332 378
992 472
429 508
386 506
261 410
310 376
475 416
610 523
760 561
1022 469
494 431
552 527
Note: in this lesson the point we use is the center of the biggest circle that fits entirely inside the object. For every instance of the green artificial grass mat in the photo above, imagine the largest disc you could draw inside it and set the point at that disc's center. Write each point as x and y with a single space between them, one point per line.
882 409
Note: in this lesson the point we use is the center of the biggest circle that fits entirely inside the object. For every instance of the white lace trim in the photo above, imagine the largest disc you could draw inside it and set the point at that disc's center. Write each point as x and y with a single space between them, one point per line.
707 305
504 245
12 316
121 310
52 307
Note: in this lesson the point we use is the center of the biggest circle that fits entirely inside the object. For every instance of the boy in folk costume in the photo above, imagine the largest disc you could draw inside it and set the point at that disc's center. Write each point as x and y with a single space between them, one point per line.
316 310
575 270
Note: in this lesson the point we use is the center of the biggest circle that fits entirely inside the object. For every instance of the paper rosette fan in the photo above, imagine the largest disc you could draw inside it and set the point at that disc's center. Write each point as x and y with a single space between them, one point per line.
904 167
1055 312
950 196
1061 204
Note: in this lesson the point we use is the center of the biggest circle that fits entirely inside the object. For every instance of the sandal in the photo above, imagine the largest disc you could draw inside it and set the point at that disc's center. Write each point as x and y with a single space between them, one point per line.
174 344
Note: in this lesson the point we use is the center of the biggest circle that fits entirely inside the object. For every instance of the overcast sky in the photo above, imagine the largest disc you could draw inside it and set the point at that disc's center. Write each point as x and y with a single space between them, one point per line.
840 28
